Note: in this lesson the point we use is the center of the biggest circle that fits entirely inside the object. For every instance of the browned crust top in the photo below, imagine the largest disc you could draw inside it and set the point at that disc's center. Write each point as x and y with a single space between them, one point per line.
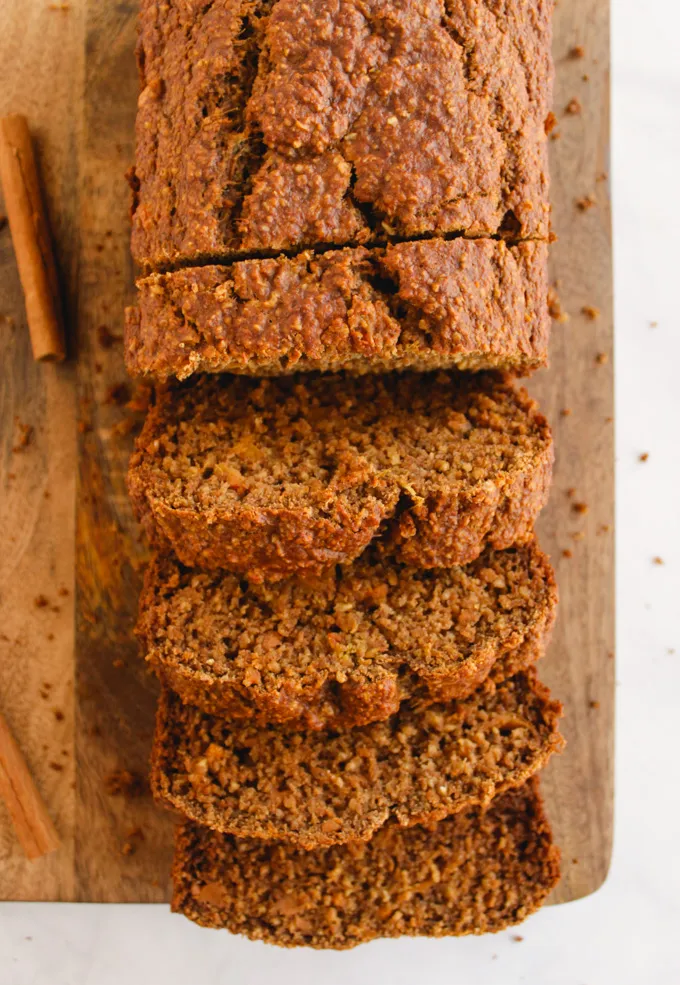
271 124
474 304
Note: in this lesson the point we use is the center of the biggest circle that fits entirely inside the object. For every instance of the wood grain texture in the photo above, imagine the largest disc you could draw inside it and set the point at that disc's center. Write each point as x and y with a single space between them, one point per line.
579 666
38 483
108 725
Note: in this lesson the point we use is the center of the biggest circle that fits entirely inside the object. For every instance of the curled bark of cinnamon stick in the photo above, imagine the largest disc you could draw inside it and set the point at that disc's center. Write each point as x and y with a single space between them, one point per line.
31 238
29 815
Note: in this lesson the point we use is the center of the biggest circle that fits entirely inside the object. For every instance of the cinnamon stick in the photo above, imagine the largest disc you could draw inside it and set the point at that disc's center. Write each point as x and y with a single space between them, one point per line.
29 815
31 238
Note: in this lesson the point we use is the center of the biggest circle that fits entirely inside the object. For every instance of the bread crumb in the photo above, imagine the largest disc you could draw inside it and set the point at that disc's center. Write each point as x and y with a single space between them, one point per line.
603 528
653 324
594 705
601 358
555 135
601 176
26 435
127 849
644 456
118 393
565 412
550 123
571 492
58 714
590 312
57 767
585 203
658 560
578 535
567 553
573 107
106 338
517 938
581 508
41 601
64 592
124 783
555 309
578 51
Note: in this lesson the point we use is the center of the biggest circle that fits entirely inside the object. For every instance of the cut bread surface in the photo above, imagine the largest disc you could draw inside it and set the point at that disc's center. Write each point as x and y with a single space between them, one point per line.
346 648
320 788
474 873
296 474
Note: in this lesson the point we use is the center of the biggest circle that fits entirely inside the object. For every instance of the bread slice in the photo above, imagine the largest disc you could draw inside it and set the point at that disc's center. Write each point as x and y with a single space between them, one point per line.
473 873
280 125
320 788
296 474
347 648
470 304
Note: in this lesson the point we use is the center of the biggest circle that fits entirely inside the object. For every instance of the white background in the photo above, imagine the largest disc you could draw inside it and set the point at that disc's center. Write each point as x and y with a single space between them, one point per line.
628 931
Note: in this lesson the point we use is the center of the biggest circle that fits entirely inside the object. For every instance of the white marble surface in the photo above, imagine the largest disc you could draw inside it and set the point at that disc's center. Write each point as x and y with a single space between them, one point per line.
626 933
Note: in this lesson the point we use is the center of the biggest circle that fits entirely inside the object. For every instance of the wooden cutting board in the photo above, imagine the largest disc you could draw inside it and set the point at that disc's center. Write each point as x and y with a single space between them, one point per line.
72 687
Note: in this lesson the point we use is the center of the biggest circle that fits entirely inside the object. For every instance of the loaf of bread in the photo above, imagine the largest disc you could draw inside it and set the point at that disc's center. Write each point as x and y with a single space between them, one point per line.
317 788
474 873
347 648
433 304
267 125
296 474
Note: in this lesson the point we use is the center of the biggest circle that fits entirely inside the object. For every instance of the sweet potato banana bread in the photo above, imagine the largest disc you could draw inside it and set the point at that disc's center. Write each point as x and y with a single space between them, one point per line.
473 873
295 474
471 304
347 648
278 125
320 788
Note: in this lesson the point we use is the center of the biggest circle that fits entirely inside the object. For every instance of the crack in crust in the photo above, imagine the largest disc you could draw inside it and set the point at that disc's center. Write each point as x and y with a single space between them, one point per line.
279 125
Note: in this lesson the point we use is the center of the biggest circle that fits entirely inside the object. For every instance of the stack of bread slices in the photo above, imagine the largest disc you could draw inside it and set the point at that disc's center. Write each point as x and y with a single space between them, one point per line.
341 215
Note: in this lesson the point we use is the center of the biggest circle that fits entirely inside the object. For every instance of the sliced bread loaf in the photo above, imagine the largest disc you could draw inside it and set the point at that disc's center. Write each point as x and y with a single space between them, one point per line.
295 474
473 873
320 788
471 304
347 648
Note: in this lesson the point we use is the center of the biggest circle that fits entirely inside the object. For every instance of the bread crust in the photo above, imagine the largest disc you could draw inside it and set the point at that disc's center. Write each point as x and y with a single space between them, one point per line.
433 304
